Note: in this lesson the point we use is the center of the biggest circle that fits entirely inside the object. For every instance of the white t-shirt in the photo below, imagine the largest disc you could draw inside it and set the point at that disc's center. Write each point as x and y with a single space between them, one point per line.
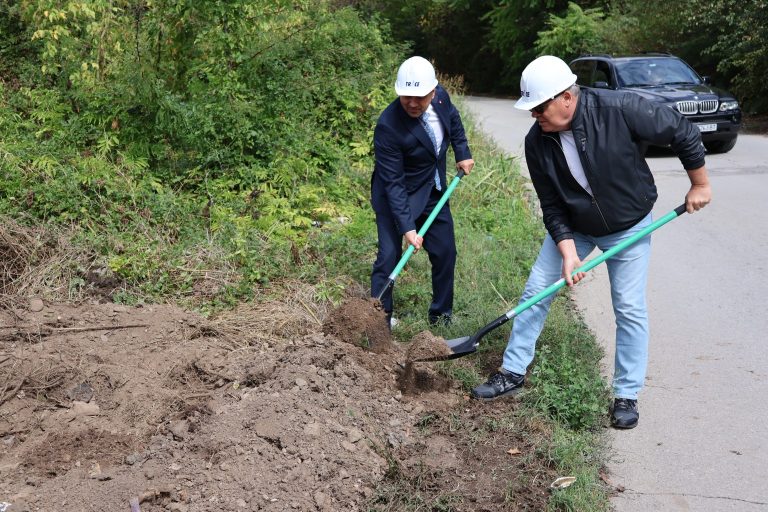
572 157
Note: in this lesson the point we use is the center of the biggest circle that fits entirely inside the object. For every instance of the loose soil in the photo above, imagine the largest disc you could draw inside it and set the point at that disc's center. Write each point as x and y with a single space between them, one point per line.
362 322
425 346
269 407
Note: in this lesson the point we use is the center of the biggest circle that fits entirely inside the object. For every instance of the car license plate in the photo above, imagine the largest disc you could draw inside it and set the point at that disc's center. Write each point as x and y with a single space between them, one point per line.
707 127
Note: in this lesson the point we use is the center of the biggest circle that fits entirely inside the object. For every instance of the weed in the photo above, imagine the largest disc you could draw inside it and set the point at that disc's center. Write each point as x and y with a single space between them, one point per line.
329 291
425 421
565 379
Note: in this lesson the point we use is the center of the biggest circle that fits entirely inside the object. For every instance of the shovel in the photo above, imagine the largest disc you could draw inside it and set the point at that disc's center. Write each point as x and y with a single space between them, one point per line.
461 347
407 254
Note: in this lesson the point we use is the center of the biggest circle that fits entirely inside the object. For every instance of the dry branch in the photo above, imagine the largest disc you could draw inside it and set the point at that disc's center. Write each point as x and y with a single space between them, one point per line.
16 389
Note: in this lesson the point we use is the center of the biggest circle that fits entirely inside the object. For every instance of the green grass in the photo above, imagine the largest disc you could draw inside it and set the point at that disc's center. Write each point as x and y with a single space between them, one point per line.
579 454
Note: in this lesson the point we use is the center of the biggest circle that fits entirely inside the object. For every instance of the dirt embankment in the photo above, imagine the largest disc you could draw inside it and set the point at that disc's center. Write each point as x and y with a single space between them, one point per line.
102 404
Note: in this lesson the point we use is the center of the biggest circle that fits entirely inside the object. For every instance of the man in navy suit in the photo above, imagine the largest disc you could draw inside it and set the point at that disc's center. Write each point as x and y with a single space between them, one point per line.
410 142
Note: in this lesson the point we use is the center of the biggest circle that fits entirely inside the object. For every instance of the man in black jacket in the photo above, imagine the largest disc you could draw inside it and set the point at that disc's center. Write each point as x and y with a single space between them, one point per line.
595 189
410 144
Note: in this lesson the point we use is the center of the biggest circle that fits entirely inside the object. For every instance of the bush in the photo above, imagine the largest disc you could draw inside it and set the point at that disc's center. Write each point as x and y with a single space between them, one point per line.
225 130
565 377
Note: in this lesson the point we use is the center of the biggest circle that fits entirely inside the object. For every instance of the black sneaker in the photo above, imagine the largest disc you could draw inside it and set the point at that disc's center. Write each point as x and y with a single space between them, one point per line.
624 413
501 383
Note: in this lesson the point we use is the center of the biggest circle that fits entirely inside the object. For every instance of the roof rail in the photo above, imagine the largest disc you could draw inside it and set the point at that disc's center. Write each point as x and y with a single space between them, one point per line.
595 55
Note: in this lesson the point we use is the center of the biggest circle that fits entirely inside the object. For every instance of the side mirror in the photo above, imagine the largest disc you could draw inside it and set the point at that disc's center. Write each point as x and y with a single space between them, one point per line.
705 79
601 85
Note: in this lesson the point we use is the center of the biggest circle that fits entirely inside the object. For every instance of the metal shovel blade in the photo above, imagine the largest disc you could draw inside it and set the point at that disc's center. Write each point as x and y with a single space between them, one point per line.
466 345
462 346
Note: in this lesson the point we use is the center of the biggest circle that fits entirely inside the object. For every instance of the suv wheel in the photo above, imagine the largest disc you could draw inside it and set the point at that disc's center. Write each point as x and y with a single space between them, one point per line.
720 146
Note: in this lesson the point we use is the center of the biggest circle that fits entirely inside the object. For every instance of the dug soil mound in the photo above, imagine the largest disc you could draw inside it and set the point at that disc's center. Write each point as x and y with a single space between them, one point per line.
259 410
361 322
425 346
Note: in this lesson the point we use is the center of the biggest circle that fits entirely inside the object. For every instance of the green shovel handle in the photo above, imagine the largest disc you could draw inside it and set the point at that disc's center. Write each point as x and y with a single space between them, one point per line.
409 251
554 287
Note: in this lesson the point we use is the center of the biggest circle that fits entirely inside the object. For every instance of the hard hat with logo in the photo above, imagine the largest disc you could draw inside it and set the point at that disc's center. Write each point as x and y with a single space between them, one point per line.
416 77
542 80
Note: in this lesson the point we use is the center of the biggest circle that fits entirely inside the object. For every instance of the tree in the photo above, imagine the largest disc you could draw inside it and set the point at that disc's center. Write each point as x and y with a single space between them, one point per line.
578 31
740 44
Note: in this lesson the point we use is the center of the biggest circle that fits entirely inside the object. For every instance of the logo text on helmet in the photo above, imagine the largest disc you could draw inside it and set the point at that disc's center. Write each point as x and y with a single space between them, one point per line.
414 84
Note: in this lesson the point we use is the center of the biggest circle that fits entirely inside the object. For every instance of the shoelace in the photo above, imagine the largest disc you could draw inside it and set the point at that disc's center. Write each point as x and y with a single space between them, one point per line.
625 403
501 381
497 379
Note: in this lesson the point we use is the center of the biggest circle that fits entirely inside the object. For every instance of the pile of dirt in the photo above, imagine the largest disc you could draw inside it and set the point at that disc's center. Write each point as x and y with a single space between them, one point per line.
361 322
257 410
418 376
425 346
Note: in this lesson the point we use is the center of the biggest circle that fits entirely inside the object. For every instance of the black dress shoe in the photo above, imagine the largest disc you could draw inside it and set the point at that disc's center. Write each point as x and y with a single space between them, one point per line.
442 319
500 384
624 413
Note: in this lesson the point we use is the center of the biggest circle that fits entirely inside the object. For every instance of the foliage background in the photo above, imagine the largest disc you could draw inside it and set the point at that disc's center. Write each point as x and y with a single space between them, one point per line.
491 41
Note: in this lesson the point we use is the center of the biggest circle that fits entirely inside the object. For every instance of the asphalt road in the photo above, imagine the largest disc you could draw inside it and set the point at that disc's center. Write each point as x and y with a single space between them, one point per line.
702 441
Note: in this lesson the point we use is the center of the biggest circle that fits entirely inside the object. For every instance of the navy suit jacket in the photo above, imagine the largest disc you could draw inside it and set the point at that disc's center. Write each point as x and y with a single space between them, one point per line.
404 172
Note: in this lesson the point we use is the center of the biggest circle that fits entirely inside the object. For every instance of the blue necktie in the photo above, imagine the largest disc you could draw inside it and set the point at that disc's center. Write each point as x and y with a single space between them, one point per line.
424 118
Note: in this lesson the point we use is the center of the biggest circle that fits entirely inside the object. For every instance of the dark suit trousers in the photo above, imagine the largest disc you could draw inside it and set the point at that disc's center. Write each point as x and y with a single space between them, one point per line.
440 244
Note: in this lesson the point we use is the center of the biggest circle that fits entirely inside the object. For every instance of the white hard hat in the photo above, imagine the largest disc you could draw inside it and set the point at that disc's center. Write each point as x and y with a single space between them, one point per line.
542 80
416 77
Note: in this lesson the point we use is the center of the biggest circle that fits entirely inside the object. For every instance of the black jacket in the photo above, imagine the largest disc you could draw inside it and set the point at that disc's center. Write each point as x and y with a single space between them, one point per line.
609 128
403 175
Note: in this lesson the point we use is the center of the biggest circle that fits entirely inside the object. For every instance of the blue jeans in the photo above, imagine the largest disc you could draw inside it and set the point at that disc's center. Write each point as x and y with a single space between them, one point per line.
628 274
